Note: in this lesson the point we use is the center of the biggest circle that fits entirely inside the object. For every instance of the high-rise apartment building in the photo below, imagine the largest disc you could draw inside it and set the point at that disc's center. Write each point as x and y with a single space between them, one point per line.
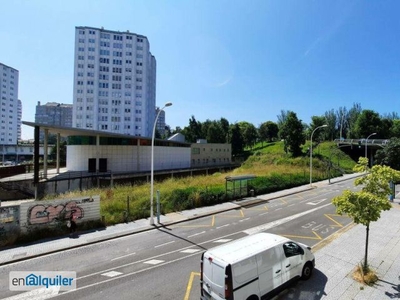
53 113
160 121
11 106
114 82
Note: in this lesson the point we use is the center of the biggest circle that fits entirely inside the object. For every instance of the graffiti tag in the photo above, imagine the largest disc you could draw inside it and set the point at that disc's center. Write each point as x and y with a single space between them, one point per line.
44 214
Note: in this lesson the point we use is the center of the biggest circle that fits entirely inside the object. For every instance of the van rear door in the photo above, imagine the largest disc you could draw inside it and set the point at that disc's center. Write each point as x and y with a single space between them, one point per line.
213 278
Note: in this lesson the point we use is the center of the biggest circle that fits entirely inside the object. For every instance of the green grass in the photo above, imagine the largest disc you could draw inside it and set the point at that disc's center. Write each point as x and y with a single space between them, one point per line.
269 162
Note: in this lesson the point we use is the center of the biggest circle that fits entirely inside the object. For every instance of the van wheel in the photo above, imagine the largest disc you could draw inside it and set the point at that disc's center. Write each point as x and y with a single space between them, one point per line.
307 271
252 297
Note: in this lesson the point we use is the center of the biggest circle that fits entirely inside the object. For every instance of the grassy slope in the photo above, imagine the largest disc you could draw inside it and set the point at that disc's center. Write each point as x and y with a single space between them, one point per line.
265 159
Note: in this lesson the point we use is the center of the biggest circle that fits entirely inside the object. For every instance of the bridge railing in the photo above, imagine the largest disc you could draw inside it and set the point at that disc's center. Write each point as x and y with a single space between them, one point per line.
378 142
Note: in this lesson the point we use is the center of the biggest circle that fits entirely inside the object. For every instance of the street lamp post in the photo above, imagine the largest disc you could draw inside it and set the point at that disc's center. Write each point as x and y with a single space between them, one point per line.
311 151
366 141
152 163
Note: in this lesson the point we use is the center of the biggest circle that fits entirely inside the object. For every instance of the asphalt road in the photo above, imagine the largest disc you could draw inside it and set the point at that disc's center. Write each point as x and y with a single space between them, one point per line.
164 263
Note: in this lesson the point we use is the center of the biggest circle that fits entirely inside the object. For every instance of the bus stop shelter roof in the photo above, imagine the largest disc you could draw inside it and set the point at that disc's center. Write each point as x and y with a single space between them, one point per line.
240 177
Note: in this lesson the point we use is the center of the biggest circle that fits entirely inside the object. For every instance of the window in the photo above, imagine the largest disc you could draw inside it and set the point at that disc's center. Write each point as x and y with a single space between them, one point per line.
292 249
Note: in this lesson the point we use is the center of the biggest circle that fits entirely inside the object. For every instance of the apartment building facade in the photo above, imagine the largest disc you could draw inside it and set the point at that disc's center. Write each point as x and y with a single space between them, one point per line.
114 82
53 113
11 106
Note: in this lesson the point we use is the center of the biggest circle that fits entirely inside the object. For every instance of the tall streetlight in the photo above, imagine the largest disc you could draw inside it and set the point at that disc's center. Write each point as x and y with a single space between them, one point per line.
366 141
152 163
311 151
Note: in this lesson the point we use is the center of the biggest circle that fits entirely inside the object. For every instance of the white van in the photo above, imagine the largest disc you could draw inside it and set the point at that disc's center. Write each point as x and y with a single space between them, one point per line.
254 267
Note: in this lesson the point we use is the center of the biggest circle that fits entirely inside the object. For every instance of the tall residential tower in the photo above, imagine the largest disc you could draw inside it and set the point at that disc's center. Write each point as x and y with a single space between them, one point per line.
11 107
114 82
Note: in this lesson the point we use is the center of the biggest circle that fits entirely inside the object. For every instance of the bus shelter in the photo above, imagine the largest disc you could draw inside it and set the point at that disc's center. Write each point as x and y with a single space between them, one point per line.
237 186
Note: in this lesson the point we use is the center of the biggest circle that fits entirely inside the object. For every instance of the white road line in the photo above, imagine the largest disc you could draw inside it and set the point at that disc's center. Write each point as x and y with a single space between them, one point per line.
316 202
222 226
37 294
244 219
119 257
164 244
196 234
278 209
263 214
281 221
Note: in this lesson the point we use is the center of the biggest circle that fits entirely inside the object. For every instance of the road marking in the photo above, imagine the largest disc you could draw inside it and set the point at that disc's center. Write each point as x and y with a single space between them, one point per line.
317 237
329 216
196 234
281 221
119 257
37 294
232 216
222 241
278 208
112 274
316 202
190 251
244 220
283 201
189 285
153 262
164 244
222 226
263 214
291 205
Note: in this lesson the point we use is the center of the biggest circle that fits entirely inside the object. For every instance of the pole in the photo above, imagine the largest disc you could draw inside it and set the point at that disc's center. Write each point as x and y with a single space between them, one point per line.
311 150
366 142
152 164
158 206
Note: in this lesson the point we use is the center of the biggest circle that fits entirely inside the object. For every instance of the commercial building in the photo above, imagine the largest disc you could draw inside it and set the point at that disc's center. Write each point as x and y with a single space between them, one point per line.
11 107
114 82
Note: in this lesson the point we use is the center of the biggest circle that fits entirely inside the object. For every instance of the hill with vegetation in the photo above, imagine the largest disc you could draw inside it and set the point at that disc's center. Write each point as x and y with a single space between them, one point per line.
273 168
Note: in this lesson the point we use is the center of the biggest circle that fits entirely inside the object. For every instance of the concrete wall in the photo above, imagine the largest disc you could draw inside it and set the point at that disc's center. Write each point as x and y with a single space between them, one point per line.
128 158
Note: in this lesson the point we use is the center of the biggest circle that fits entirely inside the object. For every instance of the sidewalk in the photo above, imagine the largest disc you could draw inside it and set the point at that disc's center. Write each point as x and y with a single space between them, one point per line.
334 262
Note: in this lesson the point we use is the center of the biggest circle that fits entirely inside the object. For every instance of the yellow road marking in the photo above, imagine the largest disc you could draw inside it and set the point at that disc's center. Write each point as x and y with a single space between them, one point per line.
317 237
189 285
283 201
232 216
329 216
265 208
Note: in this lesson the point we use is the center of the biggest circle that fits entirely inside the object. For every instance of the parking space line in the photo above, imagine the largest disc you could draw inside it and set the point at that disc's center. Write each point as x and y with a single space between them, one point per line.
334 221
317 237
190 284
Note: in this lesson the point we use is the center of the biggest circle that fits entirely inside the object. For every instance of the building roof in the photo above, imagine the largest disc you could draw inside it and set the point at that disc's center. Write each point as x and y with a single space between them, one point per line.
72 131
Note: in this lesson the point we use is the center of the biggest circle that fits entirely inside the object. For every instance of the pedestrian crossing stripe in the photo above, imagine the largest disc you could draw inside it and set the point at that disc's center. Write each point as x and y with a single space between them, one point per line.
222 241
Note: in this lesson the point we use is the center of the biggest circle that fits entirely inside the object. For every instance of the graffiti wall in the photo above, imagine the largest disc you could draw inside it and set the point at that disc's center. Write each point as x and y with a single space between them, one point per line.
9 218
48 213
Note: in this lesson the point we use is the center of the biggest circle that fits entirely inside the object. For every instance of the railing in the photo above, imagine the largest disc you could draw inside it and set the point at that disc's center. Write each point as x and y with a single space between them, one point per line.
378 142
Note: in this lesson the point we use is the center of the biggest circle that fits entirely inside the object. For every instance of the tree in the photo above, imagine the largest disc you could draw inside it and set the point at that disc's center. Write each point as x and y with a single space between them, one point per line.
367 122
365 206
316 121
193 131
63 151
395 130
225 128
351 119
268 131
330 119
292 132
390 155
249 133
236 140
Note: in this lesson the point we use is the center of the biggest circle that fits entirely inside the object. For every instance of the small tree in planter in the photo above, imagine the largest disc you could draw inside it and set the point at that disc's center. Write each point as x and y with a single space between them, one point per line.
365 206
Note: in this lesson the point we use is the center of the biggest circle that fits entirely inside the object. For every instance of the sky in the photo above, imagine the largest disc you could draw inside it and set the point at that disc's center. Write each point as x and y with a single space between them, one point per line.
243 60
